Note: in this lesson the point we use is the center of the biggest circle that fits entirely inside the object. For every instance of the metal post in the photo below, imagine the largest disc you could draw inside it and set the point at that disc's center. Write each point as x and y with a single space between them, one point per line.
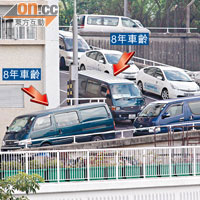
74 67
188 15
58 166
117 173
88 165
126 8
194 162
26 156
170 163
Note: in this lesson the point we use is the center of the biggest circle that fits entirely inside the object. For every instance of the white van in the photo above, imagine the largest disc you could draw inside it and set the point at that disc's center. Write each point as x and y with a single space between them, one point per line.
109 23
66 48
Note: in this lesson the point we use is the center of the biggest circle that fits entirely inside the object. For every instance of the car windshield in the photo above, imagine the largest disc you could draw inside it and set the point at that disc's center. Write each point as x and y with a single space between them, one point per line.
126 95
138 23
152 110
175 75
82 45
114 58
20 123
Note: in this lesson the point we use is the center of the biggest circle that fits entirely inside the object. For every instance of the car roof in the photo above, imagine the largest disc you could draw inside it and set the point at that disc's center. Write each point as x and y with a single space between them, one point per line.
177 100
166 67
66 108
104 51
67 34
102 15
104 77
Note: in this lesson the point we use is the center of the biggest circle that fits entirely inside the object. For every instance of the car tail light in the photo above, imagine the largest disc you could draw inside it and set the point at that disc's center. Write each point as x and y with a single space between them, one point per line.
82 26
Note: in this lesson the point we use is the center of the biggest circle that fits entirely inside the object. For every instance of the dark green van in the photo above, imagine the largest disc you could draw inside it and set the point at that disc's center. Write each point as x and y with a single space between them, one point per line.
51 127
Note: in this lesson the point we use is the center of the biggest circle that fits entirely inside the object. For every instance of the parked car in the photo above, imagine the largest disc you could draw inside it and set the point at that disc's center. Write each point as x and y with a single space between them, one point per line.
168 112
168 82
195 75
103 60
66 48
108 24
122 96
50 127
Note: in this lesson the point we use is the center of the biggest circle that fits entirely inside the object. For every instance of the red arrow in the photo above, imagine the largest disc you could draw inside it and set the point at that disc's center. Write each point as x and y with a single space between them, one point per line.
37 97
122 64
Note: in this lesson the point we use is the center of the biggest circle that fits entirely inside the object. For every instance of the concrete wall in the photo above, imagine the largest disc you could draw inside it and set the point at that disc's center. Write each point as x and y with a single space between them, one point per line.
20 56
180 50
40 53
173 188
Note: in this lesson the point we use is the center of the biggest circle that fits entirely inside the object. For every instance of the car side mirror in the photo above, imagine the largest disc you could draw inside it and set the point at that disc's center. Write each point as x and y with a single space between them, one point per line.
102 61
165 115
61 47
6 127
159 77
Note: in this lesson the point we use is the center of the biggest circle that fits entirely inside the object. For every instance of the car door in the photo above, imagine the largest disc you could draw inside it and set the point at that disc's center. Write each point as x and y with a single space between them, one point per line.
149 80
101 62
174 114
194 112
158 81
91 62
67 124
94 120
43 129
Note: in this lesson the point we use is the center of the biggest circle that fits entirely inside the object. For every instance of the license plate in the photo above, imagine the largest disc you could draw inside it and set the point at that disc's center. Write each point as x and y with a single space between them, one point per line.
132 116
189 94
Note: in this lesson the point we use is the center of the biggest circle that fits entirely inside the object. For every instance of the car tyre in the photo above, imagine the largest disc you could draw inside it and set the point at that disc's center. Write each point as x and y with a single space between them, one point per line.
46 144
140 86
97 138
165 94
82 67
62 64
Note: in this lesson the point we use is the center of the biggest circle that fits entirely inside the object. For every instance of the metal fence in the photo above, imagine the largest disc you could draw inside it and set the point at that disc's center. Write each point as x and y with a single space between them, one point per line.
104 164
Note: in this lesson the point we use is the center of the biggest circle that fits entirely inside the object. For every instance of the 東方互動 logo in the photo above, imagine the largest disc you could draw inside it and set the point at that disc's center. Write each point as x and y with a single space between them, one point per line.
32 14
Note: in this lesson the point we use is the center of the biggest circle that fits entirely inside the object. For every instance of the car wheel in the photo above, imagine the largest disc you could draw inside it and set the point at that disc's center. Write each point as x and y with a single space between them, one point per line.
165 94
45 144
82 67
97 138
107 72
62 64
140 86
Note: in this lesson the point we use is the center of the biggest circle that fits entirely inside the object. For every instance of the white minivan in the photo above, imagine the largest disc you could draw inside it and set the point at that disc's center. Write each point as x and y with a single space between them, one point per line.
109 23
66 48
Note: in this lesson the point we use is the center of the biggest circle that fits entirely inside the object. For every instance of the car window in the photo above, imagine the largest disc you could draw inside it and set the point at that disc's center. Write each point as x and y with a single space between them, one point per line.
151 71
94 113
159 73
110 21
42 123
195 107
94 20
176 75
93 87
175 110
81 20
61 43
92 55
100 57
66 119
152 110
128 23
82 45
82 84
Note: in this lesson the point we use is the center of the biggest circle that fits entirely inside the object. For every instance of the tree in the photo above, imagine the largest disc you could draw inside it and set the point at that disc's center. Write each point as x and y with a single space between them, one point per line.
21 182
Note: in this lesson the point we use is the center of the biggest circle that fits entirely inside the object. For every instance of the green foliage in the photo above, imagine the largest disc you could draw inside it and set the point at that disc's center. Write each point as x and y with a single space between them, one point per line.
21 182
160 13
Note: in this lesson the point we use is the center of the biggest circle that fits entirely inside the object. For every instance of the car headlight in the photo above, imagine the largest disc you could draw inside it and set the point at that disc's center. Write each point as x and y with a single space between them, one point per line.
115 108
3 143
173 86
